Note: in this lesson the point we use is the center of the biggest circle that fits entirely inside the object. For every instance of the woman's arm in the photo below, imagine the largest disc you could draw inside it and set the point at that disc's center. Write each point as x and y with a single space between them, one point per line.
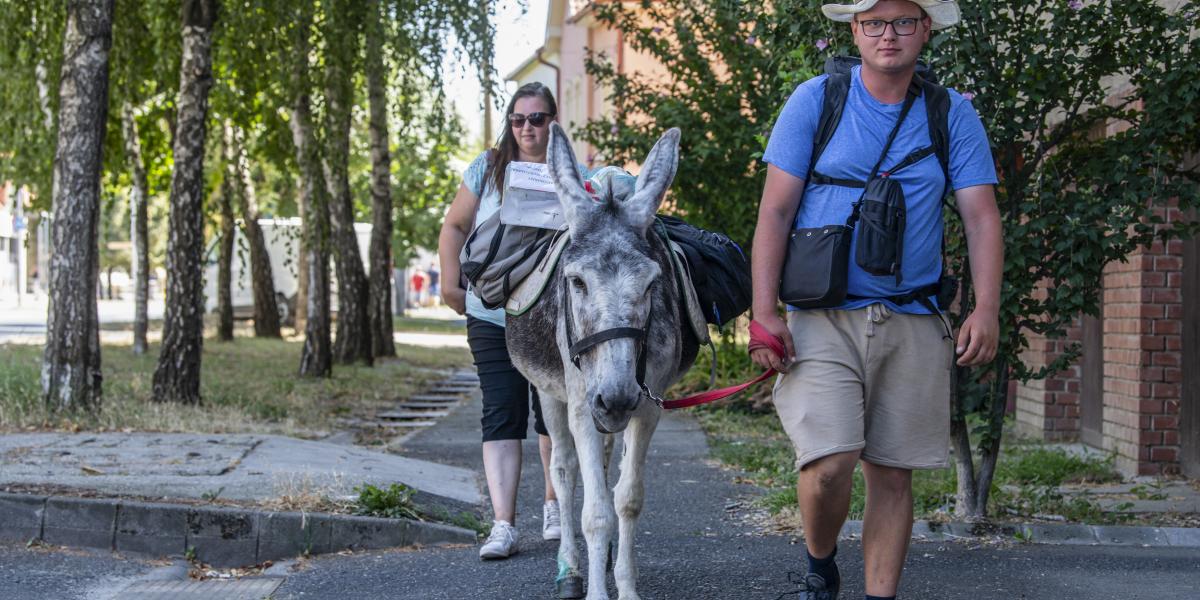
455 229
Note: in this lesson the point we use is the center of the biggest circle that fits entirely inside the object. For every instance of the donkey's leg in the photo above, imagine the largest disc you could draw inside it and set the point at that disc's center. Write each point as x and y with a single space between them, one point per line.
564 467
630 494
599 518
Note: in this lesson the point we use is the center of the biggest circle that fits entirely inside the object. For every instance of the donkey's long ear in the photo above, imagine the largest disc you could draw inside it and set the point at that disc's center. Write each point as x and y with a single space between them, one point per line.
576 202
657 174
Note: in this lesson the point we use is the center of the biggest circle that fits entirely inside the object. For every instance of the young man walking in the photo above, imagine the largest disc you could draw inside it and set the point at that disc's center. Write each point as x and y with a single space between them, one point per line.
868 379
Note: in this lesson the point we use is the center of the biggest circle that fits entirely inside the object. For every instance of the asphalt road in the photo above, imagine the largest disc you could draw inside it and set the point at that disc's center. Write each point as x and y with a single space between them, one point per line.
691 548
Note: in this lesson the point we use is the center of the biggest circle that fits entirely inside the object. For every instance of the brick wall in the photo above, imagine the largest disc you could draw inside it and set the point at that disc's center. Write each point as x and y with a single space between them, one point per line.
1048 409
1142 324
1142 355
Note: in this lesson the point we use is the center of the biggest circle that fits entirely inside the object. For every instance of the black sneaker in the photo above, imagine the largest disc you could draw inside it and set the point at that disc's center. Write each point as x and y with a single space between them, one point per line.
812 587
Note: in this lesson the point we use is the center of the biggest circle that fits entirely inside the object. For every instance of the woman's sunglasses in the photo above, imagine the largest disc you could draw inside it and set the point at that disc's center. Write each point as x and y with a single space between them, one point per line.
536 119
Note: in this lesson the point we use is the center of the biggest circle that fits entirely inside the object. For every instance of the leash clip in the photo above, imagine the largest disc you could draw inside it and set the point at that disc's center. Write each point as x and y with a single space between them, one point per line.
648 394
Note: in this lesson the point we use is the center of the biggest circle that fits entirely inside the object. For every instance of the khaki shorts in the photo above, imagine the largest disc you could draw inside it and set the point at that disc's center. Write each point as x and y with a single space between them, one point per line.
868 380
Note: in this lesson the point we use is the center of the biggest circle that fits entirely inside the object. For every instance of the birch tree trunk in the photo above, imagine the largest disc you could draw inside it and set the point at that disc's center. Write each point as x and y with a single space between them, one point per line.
266 309
177 377
225 264
300 320
353 341
71 377
316 358
380 253
138 230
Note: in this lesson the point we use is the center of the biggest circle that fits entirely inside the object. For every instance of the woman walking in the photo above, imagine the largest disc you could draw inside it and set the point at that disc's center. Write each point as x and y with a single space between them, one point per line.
507 396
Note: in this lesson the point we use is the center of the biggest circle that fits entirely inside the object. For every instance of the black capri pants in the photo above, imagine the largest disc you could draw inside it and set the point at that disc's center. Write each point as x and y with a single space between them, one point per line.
507 395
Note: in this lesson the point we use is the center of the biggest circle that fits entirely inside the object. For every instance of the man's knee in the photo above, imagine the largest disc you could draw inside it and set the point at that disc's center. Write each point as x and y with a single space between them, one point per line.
830 473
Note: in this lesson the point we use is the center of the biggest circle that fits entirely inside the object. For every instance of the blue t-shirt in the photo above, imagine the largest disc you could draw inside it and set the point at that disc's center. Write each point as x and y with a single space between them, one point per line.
854 149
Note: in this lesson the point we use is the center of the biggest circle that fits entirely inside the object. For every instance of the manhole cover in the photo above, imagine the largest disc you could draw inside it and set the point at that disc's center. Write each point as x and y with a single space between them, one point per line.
212 589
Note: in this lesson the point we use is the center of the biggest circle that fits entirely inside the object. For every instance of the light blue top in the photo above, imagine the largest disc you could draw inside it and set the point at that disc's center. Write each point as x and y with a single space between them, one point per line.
852 152
489 203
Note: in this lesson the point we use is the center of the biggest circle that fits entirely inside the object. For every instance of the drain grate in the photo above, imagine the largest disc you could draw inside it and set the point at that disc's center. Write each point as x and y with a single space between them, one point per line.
212 589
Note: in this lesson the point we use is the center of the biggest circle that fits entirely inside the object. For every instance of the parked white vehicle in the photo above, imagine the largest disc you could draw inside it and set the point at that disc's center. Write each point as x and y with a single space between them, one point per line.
282 238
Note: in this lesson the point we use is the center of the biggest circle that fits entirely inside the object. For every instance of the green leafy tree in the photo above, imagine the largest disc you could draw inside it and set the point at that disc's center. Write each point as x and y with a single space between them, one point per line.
31 60
1074 196
1043 75
730 67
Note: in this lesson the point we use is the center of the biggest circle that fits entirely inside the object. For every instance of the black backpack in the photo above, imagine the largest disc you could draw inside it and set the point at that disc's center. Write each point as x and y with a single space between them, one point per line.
837 89
719 269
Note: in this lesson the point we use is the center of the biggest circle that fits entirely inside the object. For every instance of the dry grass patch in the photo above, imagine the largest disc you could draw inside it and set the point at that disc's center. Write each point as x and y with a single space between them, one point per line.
248 386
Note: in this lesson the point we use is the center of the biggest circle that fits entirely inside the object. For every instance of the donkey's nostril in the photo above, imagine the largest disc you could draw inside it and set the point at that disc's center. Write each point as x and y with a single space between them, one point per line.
600 402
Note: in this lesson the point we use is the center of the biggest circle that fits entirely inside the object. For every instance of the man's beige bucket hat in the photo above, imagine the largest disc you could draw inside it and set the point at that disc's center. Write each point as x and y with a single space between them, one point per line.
943 13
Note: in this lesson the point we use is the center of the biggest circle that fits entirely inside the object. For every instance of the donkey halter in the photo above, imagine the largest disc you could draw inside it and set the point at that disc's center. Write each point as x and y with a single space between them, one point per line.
576 349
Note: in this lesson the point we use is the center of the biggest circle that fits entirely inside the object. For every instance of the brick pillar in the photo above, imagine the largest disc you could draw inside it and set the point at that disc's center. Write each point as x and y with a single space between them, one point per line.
1048 409
1142 354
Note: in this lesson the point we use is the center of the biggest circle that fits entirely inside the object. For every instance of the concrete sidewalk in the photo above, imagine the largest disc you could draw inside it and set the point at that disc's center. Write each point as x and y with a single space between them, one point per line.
216 496
234 467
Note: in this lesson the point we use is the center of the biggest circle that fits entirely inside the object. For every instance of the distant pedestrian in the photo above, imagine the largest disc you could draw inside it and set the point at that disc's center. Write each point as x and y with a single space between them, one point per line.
435 289
417 284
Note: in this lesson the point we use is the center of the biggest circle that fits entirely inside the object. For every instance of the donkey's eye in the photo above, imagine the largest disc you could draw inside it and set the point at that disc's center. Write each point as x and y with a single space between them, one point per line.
577 283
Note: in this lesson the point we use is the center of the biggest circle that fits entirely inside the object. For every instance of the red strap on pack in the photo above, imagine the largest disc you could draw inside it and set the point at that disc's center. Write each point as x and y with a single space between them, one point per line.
759 338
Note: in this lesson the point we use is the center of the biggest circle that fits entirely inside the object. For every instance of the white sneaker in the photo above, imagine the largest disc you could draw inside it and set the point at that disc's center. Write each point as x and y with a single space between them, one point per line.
501 543
551 521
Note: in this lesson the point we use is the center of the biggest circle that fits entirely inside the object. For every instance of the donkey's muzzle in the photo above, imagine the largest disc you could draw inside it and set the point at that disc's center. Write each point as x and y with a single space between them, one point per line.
611 413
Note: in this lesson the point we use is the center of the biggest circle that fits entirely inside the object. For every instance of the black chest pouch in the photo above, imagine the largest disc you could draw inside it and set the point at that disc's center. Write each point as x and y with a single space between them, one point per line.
880 245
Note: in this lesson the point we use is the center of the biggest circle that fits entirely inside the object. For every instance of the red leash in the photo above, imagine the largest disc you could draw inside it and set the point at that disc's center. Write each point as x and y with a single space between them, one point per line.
759 338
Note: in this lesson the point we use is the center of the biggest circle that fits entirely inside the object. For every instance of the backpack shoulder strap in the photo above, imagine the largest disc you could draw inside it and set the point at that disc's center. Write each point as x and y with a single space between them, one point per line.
937 107
837 89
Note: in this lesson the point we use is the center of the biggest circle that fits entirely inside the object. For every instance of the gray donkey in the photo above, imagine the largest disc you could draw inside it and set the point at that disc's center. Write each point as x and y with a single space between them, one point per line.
603 343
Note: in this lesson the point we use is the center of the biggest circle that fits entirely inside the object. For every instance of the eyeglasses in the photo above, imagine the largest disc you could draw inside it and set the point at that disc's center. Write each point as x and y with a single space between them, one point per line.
902 26
536 119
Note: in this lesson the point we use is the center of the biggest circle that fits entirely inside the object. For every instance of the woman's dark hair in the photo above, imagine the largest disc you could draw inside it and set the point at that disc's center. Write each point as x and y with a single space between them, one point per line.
506 149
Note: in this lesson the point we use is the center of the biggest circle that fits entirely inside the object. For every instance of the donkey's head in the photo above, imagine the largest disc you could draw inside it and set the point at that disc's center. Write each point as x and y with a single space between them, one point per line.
610 277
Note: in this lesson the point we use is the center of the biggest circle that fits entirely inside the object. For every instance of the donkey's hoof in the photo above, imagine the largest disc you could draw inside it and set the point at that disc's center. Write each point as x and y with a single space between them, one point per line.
570 587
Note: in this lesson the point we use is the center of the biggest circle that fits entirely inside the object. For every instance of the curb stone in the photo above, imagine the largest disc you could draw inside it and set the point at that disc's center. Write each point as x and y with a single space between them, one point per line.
21 517
1049 533
219 536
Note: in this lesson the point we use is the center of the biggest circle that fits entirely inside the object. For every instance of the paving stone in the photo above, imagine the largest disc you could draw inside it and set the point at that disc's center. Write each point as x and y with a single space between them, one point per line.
453 389
449 398
429 534
149 528
1183 537
385 424
364 533
21 517
1130 536
251 588
83 522
223 537
957 530
1059 534
926 531
426 405
292 534
411 414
